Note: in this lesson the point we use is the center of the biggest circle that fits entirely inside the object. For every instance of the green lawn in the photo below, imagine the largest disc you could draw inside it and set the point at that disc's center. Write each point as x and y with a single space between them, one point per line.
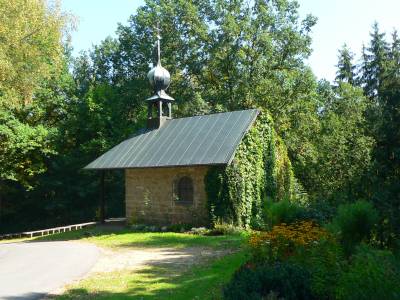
202 281
15 240
124 238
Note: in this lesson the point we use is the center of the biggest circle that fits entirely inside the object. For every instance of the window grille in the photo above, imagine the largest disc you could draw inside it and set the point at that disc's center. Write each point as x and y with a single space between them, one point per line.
185 190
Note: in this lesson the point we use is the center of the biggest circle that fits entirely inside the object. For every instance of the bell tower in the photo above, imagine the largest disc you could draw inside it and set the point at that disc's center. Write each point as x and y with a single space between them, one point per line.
159 106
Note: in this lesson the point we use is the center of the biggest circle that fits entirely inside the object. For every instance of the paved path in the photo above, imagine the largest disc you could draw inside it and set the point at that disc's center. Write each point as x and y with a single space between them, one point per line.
31 270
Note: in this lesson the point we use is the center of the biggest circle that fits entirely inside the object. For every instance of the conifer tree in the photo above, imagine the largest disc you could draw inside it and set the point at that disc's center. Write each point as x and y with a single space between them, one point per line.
346 68
363 67
374 60
394 55
386 189
380 69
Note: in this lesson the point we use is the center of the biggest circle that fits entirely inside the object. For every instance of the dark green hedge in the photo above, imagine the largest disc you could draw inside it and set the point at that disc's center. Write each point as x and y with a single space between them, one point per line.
260 171
281 280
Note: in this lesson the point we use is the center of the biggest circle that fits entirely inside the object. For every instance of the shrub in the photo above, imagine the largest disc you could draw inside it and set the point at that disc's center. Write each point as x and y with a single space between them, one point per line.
324 260
181 227
372 274
199 231
225 229
284 280
284 211
354 223
284 241
321 211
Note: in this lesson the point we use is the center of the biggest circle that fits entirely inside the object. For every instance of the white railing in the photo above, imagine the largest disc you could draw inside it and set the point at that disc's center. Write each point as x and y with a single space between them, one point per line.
54 230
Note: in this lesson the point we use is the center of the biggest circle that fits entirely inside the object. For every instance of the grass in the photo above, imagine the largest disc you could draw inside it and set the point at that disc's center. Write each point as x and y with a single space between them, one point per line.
125 238
15 240
200 282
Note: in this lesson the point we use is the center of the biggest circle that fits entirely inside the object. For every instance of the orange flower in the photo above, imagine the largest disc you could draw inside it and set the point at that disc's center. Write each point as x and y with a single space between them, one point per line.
283 239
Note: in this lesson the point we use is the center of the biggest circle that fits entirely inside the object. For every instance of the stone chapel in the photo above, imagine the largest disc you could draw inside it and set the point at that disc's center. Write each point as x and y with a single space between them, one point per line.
166 162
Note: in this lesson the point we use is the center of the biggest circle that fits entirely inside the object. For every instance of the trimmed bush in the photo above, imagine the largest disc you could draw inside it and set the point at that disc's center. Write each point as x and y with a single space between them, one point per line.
285 280
372 274
354 223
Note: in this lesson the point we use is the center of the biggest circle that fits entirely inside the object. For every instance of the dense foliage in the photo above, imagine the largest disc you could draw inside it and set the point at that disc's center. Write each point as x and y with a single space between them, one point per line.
277 281
303 260
30 48
260 171
355 222
372 274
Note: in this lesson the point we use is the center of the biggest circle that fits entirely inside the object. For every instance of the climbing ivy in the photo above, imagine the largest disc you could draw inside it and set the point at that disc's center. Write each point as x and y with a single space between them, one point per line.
260 171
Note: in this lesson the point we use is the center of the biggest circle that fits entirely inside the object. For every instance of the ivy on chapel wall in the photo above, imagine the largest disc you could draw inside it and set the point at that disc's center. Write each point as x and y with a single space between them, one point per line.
260 172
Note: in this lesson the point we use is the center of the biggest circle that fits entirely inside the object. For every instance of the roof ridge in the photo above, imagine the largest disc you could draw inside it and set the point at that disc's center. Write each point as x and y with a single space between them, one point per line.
213 114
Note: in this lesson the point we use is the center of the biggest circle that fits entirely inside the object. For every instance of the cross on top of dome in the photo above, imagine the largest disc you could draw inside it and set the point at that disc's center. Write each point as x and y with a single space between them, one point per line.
158 76
160 104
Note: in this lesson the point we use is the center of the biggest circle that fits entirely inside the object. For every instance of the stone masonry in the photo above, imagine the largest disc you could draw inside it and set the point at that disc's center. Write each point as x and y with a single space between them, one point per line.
150 196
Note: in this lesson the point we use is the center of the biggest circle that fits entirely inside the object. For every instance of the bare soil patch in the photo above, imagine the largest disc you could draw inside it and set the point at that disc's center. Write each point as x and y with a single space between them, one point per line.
133 259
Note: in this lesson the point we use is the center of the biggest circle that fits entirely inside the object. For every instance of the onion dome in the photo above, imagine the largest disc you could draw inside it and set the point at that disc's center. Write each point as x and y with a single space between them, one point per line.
159 77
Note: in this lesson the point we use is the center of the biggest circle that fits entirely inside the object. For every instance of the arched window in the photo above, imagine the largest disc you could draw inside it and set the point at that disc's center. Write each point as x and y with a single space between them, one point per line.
185 190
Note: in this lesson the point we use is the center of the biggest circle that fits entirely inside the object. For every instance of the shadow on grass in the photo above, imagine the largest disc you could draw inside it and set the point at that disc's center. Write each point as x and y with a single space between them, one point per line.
161 281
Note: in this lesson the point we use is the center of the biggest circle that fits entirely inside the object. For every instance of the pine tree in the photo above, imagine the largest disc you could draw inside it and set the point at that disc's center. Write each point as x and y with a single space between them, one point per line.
363 67
394 56
374 60
387 159
346 68
380 70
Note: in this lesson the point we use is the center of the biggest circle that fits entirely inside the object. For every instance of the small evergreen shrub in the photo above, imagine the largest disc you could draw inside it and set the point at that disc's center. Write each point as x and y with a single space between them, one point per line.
354 223
372 274
282 279
285 211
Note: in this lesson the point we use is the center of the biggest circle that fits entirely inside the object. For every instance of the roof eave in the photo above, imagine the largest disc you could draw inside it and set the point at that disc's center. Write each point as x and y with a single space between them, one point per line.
156 167
232 156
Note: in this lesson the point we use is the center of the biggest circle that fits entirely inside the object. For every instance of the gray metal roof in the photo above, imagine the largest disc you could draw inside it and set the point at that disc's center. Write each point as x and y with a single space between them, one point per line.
200 140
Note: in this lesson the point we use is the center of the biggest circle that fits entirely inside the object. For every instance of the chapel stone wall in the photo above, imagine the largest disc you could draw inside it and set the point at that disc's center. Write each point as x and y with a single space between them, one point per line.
151 199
